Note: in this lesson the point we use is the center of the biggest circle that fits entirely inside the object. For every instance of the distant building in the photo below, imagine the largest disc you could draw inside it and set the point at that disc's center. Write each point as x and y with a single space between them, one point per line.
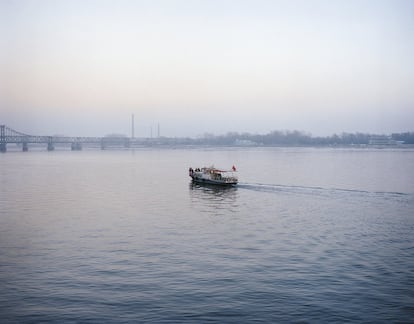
383 141
116 135
244 142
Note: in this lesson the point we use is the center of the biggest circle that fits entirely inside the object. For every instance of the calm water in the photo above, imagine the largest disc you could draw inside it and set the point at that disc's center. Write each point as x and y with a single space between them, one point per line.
310 235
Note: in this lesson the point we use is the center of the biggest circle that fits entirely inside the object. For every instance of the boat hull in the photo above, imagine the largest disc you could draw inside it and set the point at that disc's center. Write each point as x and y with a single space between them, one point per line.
214 182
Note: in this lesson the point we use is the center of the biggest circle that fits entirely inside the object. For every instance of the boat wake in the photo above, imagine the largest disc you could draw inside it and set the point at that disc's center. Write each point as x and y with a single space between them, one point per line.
308 190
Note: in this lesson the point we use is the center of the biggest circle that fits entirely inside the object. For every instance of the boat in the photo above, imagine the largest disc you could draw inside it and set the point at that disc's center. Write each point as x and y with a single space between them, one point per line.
212 175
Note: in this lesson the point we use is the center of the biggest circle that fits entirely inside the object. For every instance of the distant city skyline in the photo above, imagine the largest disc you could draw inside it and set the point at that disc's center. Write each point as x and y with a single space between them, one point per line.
195 67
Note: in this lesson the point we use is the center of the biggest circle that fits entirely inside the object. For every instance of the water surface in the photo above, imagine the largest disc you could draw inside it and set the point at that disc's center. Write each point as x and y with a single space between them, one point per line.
309 235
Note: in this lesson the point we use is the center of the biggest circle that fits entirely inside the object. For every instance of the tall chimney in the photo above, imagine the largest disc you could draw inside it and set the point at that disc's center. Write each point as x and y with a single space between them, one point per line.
132 126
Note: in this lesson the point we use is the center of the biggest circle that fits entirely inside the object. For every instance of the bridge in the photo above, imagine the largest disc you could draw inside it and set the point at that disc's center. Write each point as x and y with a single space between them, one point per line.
10 136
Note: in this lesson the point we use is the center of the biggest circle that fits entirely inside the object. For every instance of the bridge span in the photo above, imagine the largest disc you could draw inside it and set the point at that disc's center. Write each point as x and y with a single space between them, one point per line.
11 136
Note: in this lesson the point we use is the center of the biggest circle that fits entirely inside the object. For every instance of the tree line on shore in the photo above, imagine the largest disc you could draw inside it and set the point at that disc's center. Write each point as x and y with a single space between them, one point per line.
296 138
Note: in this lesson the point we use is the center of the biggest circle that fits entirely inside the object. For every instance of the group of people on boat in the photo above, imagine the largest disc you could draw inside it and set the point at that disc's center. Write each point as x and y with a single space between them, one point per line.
191 170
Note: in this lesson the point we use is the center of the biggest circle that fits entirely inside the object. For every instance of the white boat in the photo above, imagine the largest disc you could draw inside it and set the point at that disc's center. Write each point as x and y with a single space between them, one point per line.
211 175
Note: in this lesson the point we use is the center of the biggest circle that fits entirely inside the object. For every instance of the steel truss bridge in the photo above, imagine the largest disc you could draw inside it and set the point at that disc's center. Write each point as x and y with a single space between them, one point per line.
11 136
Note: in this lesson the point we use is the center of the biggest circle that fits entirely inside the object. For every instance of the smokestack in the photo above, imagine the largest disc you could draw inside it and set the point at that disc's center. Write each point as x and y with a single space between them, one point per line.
132 126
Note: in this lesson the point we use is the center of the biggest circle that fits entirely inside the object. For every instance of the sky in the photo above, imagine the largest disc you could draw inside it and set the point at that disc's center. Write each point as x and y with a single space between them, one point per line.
83 67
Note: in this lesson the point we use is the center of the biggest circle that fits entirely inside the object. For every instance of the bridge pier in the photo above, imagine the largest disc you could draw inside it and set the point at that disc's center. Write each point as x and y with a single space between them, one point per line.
25 147
50 146
3 143
76 146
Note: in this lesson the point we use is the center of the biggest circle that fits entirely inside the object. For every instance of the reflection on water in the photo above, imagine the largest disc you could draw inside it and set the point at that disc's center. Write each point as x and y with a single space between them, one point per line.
213 192
208 198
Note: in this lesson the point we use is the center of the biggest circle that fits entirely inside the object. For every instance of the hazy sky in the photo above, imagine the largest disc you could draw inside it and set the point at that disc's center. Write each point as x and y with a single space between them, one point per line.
83 67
